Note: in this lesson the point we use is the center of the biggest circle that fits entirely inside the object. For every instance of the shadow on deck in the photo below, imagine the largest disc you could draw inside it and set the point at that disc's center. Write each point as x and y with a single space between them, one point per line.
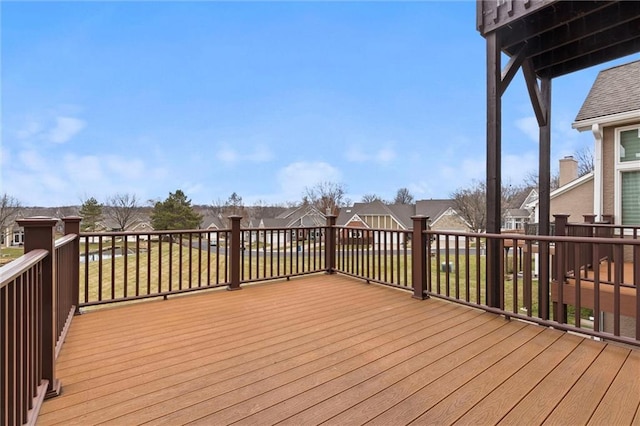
333 349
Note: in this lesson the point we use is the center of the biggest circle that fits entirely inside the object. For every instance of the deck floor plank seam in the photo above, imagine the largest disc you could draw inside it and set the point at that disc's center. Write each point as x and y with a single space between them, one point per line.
330 349
372 326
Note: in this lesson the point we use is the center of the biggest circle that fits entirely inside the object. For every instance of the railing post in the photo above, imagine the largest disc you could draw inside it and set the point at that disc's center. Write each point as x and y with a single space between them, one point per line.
72 226
330 245
589 218
560 267
235 253
418 258
607 218
39 233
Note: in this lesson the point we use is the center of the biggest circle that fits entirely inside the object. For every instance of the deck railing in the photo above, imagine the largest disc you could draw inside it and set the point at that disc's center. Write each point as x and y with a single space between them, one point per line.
41 291
38 297
125 266
600 299
376 255
22 387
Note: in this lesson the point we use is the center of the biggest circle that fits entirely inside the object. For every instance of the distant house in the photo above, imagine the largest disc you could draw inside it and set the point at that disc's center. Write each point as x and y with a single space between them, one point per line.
520 211
297 219
375 215
13 235
380 216
442 215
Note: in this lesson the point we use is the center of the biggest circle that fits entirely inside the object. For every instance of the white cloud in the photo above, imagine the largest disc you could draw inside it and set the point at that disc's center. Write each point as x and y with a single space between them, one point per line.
125 168
227 155
356 154
529 126
30 129
385 155
295 177
65 129
5 156
32 160
87 169
258 154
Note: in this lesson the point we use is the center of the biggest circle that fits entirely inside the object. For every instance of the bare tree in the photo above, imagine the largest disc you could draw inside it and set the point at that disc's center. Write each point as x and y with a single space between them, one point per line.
584 157
370 198
531 180
403 196
10 208
327 197
471 204
123 209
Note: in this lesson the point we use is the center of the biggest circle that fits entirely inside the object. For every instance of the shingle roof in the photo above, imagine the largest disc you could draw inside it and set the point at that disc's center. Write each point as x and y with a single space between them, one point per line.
433 208
616 90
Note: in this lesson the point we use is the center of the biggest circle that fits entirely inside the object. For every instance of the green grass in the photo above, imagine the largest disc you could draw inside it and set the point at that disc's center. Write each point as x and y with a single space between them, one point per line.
7 254
171 266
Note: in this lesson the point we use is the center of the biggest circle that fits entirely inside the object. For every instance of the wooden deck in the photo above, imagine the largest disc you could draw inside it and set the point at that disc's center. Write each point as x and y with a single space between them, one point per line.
333 349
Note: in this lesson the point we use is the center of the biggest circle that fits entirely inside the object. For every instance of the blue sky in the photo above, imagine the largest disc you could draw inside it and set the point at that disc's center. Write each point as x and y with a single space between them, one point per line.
259 98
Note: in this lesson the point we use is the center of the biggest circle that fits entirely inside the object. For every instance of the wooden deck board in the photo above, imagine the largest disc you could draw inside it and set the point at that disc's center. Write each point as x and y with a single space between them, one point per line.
331 349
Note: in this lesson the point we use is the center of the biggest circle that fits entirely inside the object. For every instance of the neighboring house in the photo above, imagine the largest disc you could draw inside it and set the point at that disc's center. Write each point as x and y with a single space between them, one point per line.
13 235
520 211
294 218
574 195
611 112
377 215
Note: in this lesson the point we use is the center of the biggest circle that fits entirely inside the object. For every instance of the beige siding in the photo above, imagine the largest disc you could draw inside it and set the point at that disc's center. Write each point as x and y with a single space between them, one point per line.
576 203
448 222
609 166
381 222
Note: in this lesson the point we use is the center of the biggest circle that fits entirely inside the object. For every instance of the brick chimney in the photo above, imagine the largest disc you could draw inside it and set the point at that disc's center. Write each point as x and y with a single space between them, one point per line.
568 170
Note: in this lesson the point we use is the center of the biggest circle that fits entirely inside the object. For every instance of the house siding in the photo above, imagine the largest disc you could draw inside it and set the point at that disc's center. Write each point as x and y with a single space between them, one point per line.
450 222
608 172
575 203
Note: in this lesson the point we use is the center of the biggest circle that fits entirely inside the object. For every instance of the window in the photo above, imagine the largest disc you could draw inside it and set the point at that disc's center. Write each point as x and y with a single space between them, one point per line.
627 177
630 190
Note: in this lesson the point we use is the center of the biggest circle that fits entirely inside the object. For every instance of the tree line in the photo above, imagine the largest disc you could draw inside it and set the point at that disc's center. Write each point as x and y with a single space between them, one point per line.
177 212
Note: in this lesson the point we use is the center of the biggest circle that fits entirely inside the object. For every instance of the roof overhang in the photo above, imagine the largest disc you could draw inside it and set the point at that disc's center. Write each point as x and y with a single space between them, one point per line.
607 120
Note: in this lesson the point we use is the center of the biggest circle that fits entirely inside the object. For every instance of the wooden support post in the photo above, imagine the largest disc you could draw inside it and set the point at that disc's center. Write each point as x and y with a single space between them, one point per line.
235 254
589 218
544 194
560 268
330 245
607 218
39 233
418 257
494 165
72 226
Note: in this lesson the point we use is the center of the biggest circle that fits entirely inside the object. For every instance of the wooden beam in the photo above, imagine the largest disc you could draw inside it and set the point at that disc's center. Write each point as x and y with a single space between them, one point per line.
556 16
494 178
622 17
512 67
534 92
544 196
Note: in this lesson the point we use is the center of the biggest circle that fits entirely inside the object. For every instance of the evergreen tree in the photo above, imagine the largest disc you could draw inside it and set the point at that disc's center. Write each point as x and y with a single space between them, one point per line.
175 213
91 213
